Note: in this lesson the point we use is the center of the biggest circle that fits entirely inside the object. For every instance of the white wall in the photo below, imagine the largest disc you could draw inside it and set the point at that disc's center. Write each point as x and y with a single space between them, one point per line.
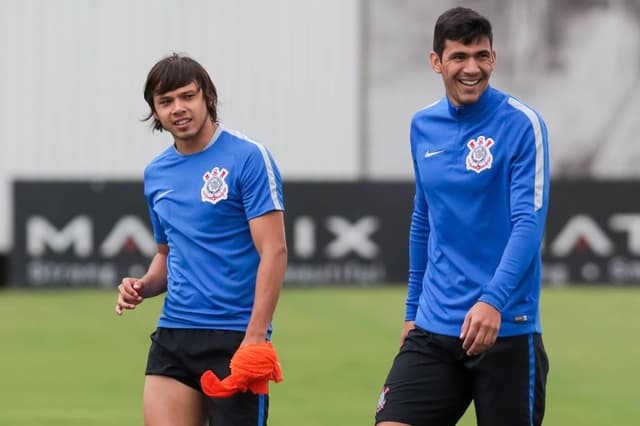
290 73
73 72
577 62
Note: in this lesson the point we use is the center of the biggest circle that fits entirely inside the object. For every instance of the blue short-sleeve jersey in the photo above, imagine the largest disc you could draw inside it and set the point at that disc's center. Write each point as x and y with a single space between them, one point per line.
482 185
200 205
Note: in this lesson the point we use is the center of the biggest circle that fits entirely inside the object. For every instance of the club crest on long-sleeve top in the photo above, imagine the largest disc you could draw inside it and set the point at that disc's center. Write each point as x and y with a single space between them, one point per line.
479 157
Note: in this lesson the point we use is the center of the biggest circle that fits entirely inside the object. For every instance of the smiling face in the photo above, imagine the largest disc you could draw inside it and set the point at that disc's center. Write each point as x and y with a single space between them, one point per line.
465 69
183 112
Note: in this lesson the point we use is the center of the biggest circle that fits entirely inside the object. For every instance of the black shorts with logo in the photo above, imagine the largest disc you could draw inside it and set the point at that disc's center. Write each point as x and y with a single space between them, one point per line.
432 382
184 354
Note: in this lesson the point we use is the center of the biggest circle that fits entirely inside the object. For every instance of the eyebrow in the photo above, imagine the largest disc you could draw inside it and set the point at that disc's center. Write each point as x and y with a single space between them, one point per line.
463 53
186 92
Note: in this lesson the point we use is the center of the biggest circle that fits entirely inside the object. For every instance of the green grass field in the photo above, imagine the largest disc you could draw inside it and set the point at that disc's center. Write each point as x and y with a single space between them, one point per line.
66 359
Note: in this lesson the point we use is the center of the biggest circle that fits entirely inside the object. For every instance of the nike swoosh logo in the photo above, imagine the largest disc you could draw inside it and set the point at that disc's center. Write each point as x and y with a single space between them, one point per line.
163 194
432 153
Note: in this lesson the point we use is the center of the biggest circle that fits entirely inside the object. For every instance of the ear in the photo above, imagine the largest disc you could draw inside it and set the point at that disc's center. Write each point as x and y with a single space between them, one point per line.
436 62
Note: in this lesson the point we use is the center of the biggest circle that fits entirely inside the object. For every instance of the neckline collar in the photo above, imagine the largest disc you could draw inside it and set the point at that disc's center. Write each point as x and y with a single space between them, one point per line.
213 140
475 108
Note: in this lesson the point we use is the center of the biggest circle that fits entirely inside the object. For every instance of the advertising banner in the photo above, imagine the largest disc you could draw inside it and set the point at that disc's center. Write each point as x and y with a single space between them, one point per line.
79 234
88 234
91 234
348 232
593 233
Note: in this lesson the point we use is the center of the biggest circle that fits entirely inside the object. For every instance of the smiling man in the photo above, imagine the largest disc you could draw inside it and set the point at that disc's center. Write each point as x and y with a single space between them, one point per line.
215 203
472 326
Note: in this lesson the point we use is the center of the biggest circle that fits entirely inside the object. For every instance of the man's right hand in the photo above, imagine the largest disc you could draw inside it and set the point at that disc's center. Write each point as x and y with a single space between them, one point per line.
129 294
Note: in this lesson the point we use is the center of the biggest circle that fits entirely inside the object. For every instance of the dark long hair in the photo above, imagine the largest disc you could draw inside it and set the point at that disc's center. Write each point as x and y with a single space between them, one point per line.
173 72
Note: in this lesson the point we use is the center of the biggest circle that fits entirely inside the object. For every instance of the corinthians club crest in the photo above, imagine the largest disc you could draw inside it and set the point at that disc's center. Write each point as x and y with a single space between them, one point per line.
479 158
214 188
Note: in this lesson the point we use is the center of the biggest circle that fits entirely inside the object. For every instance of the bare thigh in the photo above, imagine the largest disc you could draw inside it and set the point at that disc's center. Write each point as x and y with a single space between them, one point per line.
168 402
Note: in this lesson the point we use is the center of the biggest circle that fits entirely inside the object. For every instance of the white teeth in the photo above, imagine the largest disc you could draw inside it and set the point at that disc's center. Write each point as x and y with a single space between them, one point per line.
469 82
181 122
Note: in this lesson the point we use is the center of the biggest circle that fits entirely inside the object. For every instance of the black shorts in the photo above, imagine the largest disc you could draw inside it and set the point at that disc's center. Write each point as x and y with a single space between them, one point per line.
432 382
184 354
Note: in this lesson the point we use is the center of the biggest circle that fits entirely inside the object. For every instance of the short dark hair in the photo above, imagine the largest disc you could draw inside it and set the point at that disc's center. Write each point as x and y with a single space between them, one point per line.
175 71
460 24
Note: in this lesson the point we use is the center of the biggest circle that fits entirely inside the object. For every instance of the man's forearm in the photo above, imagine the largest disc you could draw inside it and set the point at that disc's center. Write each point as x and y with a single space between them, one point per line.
155 280
268 287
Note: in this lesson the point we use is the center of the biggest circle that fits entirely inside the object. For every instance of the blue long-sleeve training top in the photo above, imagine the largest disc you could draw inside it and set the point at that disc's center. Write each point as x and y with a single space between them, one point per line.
482 186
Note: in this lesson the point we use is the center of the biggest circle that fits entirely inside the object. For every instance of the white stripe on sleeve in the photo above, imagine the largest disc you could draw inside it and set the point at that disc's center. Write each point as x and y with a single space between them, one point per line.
537 131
